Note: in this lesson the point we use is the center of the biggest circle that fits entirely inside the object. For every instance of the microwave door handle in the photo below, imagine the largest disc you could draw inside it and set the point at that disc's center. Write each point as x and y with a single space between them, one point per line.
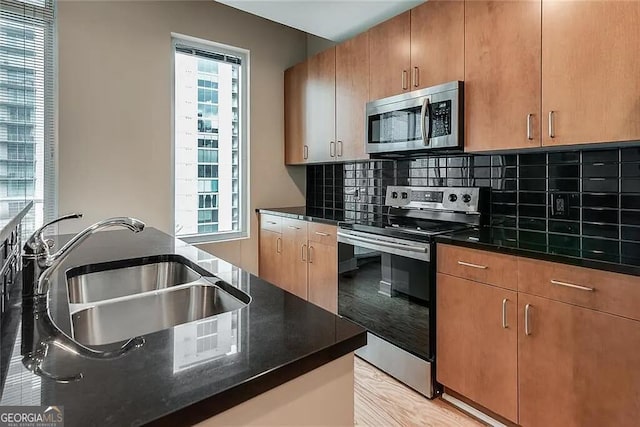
425 121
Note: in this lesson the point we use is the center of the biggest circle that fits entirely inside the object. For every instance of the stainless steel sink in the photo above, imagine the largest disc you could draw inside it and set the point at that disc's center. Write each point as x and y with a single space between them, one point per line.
117 320
130 280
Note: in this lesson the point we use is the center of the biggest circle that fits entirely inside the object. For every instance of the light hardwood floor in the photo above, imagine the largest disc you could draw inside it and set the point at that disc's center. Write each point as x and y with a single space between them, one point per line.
383 401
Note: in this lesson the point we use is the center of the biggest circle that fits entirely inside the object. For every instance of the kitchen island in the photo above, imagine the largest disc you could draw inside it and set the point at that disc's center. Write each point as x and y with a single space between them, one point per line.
278 360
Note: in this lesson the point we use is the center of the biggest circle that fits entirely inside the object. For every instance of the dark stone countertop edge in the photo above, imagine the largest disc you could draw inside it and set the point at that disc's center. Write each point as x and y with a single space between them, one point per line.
200 411
528 253
295 213
9 224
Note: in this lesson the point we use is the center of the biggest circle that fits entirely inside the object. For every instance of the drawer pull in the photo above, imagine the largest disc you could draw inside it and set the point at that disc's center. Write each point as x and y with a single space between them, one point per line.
293 227
278 245
468 264
527 327
571 285
271 222
504 313
320 233
304 253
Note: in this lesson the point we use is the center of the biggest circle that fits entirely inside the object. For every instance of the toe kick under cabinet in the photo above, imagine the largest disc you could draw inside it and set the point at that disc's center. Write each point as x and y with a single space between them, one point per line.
300 257
544 344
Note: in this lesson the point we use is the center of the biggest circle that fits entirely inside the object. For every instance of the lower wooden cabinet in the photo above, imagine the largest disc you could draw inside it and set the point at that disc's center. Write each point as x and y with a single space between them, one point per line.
300 257
577 366
477 338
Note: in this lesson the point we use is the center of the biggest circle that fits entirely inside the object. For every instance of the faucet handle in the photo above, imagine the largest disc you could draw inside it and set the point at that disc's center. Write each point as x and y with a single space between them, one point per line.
36 242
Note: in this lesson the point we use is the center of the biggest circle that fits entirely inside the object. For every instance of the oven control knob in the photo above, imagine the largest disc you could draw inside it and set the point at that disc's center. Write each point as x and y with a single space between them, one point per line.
405 195
394 195
453 198
466 198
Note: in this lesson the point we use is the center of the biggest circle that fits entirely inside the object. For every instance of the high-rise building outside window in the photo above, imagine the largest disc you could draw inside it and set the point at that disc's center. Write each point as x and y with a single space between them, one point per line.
210 159
27 117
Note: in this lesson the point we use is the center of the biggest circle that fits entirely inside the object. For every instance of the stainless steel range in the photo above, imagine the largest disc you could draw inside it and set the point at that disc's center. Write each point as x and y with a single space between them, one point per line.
387 277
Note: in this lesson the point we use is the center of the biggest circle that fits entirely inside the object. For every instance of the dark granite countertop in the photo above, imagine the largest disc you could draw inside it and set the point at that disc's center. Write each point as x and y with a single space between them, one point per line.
302 213
8 223
494 240
279 337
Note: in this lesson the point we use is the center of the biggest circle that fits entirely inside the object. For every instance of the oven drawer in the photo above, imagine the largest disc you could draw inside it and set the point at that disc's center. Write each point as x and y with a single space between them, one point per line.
482 266
596 289
323 233
271 223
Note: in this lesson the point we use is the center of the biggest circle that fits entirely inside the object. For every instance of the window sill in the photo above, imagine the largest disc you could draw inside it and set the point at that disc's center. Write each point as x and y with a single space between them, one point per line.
204 239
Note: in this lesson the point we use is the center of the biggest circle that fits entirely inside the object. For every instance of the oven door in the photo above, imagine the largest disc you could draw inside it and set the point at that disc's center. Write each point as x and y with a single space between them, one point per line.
385 285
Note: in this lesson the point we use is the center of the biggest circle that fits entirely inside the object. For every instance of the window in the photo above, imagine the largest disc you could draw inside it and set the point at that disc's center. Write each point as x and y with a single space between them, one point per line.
210 167
27 168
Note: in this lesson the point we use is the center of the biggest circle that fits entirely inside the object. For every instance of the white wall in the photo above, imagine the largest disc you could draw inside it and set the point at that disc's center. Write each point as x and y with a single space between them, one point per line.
115 109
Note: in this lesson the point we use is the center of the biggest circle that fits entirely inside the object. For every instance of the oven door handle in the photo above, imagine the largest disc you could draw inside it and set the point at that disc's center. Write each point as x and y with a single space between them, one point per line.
425 121
382 243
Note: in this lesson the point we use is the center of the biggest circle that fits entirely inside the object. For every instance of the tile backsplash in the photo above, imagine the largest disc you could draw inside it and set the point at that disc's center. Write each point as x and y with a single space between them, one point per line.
582 203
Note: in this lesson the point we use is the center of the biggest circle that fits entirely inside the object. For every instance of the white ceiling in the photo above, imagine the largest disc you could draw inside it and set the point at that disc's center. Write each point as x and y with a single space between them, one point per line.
331 19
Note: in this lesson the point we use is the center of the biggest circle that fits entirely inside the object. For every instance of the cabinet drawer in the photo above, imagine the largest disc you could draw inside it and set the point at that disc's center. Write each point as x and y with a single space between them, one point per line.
271 222
481 266
599 290
323 233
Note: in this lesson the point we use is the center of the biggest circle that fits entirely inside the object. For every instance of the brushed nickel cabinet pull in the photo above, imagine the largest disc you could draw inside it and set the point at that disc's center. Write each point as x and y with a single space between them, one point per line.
271 222
527 326
310 254
293 227
552 133
278 245
304 255
339 148
416 76
468 264
320 233
504 313
571 285
332 149
305 152
529 134
404 80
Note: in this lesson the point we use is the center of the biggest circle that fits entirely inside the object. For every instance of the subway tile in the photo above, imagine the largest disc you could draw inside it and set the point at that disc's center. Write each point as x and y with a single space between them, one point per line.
630 170
630 251
539 171
480 160
533 198
609 216
564 171
600 230
533 159
600 185
630 185
629 201
564 185
630 233
532 224
507 197
504 209
533 184
568 243
631 154
601 249
600 170
504 184
564 157
565 227
504 172
630 217
534 211
504 160
498 220
601 200
595 156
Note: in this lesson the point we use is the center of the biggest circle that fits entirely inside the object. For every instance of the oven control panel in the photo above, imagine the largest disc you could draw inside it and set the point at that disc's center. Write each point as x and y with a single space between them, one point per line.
457 199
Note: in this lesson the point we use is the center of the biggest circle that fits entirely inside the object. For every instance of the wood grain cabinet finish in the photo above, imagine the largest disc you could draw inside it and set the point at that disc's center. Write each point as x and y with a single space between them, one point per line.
295 101
323 275
270 256
590 69
481 266
352 94
294 256
502 74
390 57
437 43
599 290
477 343
320 106
577 367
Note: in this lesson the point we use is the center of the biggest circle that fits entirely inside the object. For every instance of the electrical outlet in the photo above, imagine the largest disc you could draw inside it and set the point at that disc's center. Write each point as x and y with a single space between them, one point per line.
559 205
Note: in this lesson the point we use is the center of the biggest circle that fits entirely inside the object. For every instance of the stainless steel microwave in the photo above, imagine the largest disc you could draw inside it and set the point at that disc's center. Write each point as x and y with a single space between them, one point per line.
425 119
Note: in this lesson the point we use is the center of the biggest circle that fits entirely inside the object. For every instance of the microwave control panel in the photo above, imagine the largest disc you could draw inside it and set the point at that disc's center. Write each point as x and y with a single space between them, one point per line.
440 114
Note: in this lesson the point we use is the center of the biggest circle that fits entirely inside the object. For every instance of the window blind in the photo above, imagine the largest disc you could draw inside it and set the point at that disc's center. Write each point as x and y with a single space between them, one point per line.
27 108
210 55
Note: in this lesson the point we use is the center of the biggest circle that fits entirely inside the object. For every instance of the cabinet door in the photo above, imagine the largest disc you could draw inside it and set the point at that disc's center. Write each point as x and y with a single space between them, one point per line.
590 69
502 74
295 79
352 94
270 256
437 43
390 57
476 343
294 257
320 106
323 276
577 367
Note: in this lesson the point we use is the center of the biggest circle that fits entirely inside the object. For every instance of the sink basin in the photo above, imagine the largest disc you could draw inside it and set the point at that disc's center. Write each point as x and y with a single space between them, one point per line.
117 320
103 281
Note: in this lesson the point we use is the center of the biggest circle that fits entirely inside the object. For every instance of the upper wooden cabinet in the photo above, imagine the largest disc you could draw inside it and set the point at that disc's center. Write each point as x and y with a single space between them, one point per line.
320 106
502 81
419 48
590 71
437 43
295 131
352 93
390 57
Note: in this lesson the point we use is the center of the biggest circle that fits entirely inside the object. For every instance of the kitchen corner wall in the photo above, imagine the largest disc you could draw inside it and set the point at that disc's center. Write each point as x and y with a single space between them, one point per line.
598 188
115 76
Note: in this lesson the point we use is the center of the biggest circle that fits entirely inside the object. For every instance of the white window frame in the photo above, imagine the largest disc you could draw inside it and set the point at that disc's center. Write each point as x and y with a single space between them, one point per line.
243 231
